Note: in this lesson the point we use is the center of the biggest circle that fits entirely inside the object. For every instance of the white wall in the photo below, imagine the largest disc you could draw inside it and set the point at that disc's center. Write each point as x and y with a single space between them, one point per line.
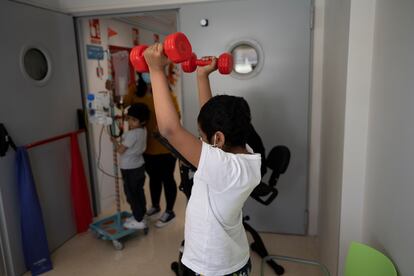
361 36
373 200
389 205
106 186
337 14
316 116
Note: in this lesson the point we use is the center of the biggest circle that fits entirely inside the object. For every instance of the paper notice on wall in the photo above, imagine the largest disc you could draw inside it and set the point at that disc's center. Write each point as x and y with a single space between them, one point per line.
94 52
120 61
94 31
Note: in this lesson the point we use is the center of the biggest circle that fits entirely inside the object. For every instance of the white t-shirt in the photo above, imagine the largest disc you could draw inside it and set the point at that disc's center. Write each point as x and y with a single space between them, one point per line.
136 142
215 239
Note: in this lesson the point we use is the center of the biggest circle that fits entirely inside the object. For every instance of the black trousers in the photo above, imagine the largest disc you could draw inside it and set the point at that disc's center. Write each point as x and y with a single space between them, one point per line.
134 180
160 168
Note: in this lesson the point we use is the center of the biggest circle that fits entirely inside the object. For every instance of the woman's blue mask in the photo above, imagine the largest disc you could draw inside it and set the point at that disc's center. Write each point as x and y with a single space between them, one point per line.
146 78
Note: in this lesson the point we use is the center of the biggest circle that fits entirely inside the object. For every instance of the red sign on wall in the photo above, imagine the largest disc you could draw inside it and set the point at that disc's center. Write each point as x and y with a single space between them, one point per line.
111 33
94 31
135 36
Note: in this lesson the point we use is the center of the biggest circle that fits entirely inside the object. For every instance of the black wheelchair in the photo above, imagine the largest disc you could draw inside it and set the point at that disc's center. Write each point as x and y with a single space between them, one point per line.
277 161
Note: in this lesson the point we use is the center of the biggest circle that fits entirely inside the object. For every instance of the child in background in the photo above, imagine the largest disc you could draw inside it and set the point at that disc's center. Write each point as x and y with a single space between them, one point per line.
133 145
227 172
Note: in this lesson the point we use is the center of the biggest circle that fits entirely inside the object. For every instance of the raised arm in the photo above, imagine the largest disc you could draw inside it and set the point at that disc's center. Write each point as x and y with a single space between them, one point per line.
203 82
167 118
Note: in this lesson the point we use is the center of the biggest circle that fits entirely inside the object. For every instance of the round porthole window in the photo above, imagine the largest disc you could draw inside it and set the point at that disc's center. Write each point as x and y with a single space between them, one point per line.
247 58
35 65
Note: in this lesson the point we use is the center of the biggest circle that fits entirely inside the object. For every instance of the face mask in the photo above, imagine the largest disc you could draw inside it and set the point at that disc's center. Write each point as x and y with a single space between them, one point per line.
215 141
146 78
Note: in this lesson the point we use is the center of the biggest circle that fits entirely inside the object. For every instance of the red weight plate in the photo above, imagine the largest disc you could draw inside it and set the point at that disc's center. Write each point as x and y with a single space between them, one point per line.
177 47
189 65
137 59
225 63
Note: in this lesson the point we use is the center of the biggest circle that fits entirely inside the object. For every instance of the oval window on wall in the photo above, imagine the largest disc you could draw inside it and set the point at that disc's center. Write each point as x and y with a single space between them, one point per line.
35 65
247 58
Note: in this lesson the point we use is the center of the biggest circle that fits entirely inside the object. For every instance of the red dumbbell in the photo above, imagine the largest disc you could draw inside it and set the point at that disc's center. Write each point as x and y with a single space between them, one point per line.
224 63
176 47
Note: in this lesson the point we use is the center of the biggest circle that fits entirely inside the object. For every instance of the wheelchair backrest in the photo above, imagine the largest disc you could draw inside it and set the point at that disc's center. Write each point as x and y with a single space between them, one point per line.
278 159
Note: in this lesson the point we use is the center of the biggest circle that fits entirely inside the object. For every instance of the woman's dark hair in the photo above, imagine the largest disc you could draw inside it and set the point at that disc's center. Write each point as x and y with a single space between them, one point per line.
228 114
141 87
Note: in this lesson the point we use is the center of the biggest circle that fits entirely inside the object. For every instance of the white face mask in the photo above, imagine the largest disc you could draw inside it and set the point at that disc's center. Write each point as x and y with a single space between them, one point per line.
146 78
215 141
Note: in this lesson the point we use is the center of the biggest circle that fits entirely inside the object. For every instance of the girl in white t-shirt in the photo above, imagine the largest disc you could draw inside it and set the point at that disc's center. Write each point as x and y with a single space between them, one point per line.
227 171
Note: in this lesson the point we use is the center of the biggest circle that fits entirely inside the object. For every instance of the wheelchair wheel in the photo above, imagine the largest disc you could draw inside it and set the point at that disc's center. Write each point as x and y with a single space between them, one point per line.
174 267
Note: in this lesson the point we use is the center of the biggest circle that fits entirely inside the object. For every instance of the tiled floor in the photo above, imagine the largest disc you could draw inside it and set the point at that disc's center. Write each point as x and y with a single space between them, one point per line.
151 255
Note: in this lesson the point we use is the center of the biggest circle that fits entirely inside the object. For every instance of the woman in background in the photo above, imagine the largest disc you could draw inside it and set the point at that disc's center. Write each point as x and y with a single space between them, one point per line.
159 162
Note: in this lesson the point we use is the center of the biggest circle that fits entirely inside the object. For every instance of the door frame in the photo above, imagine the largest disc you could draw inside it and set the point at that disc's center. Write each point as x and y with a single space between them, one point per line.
91 145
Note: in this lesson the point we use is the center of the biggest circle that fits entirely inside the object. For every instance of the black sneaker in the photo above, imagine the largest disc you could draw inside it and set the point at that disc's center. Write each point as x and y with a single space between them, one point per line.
153 211
165 219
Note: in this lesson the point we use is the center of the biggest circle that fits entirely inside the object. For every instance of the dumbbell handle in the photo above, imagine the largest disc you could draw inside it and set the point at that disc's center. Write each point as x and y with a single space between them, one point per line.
224 63
202 62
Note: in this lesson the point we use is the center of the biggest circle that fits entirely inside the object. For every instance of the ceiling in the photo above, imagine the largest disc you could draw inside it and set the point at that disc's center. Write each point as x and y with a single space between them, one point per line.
128 11
164 22
104 7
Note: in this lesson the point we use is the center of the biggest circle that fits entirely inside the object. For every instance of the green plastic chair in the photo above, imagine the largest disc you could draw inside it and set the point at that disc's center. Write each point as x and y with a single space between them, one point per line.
363 260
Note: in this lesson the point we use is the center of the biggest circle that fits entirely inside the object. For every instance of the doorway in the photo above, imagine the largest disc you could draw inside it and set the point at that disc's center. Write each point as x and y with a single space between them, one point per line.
106 36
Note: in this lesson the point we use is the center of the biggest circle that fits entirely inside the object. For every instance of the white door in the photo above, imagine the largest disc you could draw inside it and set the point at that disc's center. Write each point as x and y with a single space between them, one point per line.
278 95
36 103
